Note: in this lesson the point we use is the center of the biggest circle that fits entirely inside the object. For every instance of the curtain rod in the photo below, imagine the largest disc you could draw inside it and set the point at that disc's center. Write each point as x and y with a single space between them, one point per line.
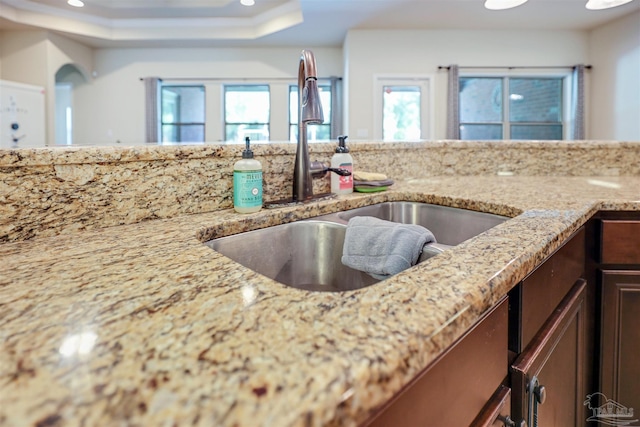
440 67
238 79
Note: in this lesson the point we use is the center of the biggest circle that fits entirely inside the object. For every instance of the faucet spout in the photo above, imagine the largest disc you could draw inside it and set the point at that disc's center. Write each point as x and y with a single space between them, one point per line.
309 111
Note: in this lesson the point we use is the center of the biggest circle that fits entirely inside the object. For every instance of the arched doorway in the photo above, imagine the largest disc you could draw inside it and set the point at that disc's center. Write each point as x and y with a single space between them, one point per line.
68 77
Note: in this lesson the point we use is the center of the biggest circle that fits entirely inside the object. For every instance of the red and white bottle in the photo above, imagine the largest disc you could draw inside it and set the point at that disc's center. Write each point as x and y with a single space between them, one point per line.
343 160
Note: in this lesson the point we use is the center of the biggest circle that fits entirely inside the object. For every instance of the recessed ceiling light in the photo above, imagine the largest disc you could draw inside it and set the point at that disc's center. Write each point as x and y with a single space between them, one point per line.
604 4
502 4
75 3
247 2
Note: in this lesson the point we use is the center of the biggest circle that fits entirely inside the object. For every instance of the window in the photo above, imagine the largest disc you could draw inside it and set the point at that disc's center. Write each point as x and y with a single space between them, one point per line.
316 131
511 108
246 112
400 112
402 108
182 116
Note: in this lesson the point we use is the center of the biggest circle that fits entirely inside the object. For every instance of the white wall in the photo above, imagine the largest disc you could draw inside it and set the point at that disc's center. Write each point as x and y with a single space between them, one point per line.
374 52
34 57
117 113
24 57
614 50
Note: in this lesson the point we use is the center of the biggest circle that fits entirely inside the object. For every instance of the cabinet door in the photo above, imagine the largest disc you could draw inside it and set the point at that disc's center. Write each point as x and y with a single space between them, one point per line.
456 386
620 337
548 378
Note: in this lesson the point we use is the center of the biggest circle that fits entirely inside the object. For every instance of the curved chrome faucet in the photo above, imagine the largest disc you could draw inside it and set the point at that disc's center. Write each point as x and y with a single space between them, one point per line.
309 111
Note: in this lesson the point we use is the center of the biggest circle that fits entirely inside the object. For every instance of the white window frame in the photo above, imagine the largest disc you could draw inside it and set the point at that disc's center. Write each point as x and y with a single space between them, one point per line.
214 105
224 112
161 87
424 81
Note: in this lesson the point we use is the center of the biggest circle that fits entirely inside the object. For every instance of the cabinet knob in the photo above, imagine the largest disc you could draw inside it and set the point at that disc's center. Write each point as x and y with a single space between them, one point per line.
540 393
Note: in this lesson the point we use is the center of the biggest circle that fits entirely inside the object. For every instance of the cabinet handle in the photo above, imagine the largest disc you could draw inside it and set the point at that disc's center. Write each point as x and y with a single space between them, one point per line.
537 396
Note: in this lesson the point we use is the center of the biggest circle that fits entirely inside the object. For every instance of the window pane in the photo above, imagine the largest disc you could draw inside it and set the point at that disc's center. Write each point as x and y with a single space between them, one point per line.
191 133
182 113
169 133
401 112
183 104
535 100
537 132
481 132
316 132
480 100
182 133
246 104
256 132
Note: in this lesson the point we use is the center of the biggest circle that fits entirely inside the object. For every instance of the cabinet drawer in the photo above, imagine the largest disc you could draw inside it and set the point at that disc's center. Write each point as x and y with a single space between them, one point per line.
455 387
620 242
539 294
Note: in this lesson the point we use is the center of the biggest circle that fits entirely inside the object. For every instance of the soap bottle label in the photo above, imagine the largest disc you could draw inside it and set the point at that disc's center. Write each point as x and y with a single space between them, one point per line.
346 182
247 188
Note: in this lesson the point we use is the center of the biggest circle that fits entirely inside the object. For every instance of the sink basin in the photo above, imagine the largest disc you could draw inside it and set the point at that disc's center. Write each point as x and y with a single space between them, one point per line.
304 254
307 254
450 226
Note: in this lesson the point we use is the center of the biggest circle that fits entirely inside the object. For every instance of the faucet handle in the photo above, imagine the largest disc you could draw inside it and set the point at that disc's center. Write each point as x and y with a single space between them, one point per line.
319 169
340 171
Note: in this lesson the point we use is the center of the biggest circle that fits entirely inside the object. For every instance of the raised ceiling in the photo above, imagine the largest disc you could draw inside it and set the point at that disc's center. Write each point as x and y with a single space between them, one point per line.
103 23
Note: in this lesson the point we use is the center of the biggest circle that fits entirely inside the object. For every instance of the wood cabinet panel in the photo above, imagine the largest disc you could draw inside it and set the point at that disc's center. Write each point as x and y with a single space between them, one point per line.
620 337
548 378
620 242
452 390
535 299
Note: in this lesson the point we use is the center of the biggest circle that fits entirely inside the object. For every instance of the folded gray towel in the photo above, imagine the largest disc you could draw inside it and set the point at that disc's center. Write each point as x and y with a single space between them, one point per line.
383 248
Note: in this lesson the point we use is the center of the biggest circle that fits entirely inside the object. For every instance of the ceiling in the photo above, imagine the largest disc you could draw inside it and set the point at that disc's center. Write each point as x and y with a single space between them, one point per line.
141 23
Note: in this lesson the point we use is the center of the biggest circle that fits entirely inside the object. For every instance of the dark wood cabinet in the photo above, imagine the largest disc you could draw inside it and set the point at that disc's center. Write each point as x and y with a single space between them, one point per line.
454 389
548 341
614 264
567 332
548 377
620 241
534 299
620 338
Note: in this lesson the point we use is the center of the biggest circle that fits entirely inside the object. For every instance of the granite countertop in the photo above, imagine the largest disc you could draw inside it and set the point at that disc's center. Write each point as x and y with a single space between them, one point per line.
143 325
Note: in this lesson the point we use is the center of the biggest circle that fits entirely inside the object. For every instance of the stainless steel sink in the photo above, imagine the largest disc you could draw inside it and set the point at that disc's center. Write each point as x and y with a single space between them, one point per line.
305 254
451 226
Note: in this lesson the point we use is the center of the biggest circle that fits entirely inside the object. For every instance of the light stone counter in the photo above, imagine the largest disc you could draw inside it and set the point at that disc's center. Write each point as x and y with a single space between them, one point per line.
59 190
143 325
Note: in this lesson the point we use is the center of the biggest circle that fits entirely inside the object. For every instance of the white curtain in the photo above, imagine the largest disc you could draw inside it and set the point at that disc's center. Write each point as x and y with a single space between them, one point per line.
453 94
336 107
577 102
152 108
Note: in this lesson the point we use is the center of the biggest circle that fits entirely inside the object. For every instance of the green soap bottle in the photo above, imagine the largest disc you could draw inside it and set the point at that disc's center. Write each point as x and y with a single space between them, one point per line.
247 182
